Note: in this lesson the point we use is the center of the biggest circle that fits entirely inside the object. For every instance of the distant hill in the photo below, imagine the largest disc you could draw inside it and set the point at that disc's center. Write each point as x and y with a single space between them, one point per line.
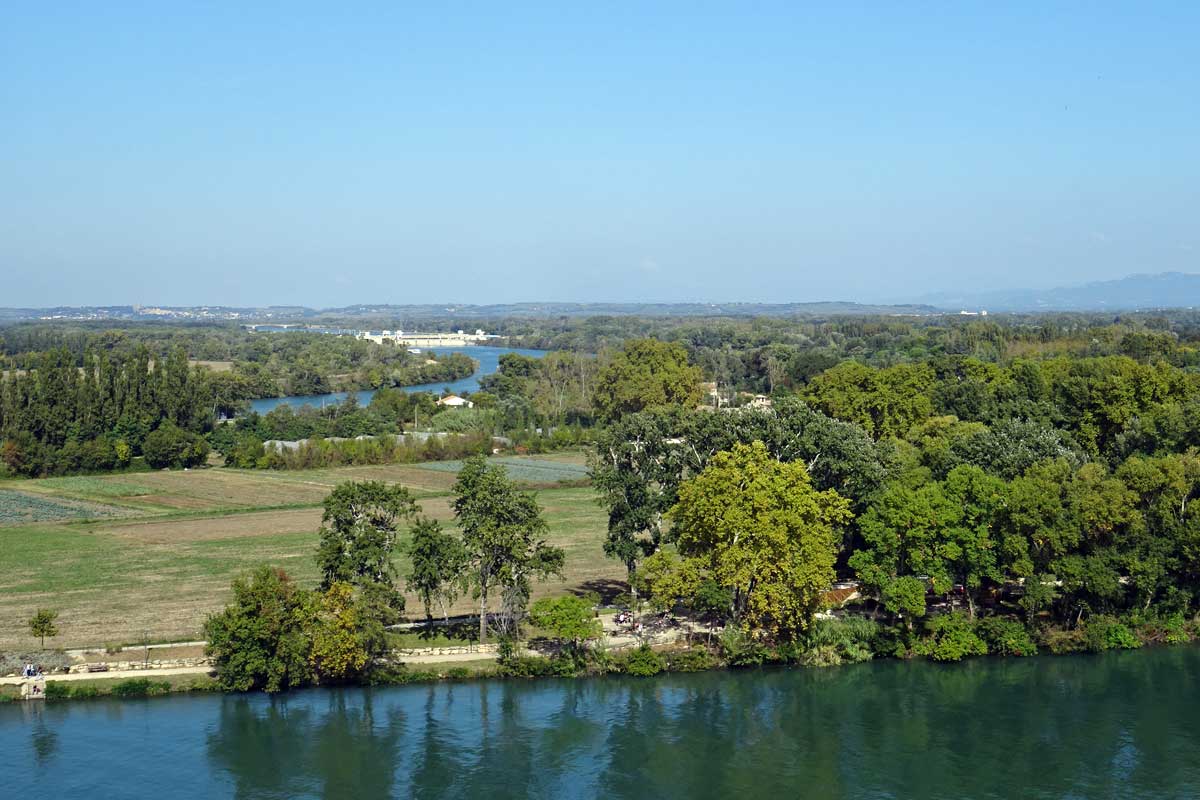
454 311
1136 292
545 310
1163 290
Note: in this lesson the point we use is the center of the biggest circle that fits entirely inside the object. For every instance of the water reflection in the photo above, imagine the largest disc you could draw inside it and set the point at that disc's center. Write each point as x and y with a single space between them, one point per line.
286 747
1112 726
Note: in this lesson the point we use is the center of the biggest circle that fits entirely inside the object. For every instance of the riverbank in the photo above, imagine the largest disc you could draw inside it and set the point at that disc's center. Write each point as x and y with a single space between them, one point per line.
680 650
487 361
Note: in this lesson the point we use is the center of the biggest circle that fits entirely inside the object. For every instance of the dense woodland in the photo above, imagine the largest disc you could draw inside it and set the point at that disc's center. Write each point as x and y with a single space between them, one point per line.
59 416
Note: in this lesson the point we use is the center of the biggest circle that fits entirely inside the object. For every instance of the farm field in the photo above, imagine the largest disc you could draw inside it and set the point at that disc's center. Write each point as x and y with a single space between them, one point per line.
19 508
162 557
529 470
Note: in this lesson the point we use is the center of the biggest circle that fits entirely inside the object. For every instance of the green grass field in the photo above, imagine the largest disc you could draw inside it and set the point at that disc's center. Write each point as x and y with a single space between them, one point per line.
163 555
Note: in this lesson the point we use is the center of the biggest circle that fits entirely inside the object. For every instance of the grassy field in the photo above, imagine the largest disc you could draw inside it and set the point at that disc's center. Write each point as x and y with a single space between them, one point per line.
160 549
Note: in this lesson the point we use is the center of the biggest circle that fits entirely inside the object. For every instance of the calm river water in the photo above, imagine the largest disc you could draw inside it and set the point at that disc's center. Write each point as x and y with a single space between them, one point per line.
1114 726
488 358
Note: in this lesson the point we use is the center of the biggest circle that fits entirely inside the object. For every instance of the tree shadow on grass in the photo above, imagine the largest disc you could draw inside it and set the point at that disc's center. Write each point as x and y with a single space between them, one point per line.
607 588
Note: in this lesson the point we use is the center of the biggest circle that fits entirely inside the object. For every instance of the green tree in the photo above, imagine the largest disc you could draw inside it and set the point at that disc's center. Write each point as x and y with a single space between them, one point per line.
171 446
344 634
359 533
886 402
972 552
636 469
951 637
761 529
937 534
42 624
502 531
904 596
647 373
568 618
665 578
712 602
259 640
438 560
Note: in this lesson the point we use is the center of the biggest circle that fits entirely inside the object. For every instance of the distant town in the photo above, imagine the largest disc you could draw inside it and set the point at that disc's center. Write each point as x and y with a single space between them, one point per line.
410 339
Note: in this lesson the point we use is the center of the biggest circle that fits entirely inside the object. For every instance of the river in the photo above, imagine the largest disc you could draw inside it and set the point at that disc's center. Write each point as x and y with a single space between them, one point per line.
1120 725
488 358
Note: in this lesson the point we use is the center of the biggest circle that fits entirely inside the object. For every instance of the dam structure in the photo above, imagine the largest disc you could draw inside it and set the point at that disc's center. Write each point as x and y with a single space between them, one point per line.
455 339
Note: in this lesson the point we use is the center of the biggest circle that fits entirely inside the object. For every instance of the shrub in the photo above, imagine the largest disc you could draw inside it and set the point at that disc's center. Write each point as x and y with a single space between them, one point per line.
200 683
57 690
171 446
693 659
1060 642
533 667
1103 633
643 662
951 637
1172 629
1175 630
601 661
567 665
740 649
61 690
839 641
823 655
1006 637
397 675
140 687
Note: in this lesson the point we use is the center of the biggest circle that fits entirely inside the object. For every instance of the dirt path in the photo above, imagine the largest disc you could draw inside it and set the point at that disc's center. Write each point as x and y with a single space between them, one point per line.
17 680
615 637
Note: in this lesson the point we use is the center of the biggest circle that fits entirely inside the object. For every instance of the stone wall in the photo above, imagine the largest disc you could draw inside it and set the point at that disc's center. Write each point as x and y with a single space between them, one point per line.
481 649
165 663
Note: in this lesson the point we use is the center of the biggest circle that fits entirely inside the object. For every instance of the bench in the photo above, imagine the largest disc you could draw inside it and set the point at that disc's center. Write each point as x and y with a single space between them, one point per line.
97 667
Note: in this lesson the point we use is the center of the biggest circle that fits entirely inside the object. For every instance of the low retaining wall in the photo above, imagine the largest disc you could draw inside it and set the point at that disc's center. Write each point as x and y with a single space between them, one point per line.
481 649
153 664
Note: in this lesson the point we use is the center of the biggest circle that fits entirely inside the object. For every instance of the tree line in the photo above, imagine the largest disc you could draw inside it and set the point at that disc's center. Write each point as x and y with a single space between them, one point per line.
266 364
1052 495
59 417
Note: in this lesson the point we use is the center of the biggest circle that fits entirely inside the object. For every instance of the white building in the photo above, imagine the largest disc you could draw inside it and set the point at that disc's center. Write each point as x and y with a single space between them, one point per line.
454 401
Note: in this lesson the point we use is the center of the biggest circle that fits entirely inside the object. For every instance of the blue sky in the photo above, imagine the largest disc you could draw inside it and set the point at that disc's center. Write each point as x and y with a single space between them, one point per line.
259 153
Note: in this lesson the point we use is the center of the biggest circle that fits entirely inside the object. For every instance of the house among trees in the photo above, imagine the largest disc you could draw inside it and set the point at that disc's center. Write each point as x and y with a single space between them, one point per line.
454 401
